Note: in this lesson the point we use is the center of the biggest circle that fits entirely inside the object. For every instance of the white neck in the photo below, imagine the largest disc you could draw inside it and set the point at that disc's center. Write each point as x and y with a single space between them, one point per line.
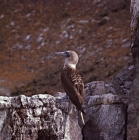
71 65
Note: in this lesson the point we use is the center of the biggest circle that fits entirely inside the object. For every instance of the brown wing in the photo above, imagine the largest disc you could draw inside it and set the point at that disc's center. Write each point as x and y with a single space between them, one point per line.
73 85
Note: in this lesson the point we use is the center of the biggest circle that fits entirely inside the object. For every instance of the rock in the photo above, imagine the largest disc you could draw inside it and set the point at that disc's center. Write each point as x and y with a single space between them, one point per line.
124 79
83 21
39 39
116 5
44 117
105 113
133 106
126 45
27 37
72 129
36 118
26 117
28 47
65 34
70 123
104 99
105 122
106 107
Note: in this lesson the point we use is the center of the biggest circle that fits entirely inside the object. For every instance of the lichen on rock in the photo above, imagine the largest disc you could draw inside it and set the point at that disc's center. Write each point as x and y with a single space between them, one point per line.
30 118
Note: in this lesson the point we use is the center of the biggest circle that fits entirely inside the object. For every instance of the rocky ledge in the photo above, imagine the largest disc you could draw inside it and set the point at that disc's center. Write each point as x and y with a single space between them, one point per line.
43 117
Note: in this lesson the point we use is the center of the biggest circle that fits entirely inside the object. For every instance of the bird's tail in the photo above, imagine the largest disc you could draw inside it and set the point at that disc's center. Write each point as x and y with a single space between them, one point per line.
81 116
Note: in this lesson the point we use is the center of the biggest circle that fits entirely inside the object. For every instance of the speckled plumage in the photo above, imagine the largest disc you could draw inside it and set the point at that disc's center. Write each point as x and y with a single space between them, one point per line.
73 85
72 82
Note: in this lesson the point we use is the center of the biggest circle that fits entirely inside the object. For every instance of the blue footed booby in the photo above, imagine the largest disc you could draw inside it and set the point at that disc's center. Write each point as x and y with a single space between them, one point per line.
72 82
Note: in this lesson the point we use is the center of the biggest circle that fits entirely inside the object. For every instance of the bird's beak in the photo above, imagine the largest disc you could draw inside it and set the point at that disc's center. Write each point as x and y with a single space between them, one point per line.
60 53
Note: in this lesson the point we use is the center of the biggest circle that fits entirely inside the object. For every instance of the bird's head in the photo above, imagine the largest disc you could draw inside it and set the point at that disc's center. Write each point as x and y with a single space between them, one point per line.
71 58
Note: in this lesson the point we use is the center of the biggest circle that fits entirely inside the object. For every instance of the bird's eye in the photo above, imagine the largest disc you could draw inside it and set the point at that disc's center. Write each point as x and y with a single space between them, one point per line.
67 54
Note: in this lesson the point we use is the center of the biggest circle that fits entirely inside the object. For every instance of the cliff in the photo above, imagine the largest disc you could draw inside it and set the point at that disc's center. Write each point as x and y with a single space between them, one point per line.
111 108
44 117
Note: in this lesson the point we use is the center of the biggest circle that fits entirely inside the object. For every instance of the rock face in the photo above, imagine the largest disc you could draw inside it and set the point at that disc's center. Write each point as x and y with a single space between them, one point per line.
36 118
44 117
133 108
105 122
106 107
30 118
71 126
106 113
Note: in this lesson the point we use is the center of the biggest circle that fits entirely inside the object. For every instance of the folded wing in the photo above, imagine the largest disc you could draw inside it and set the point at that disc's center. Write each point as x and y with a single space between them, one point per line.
73 85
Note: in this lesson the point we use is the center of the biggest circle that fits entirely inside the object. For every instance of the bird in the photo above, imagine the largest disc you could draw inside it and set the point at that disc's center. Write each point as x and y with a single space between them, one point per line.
72 81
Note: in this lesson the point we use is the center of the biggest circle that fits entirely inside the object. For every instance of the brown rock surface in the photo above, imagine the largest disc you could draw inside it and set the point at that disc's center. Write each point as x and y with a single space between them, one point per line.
32 30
